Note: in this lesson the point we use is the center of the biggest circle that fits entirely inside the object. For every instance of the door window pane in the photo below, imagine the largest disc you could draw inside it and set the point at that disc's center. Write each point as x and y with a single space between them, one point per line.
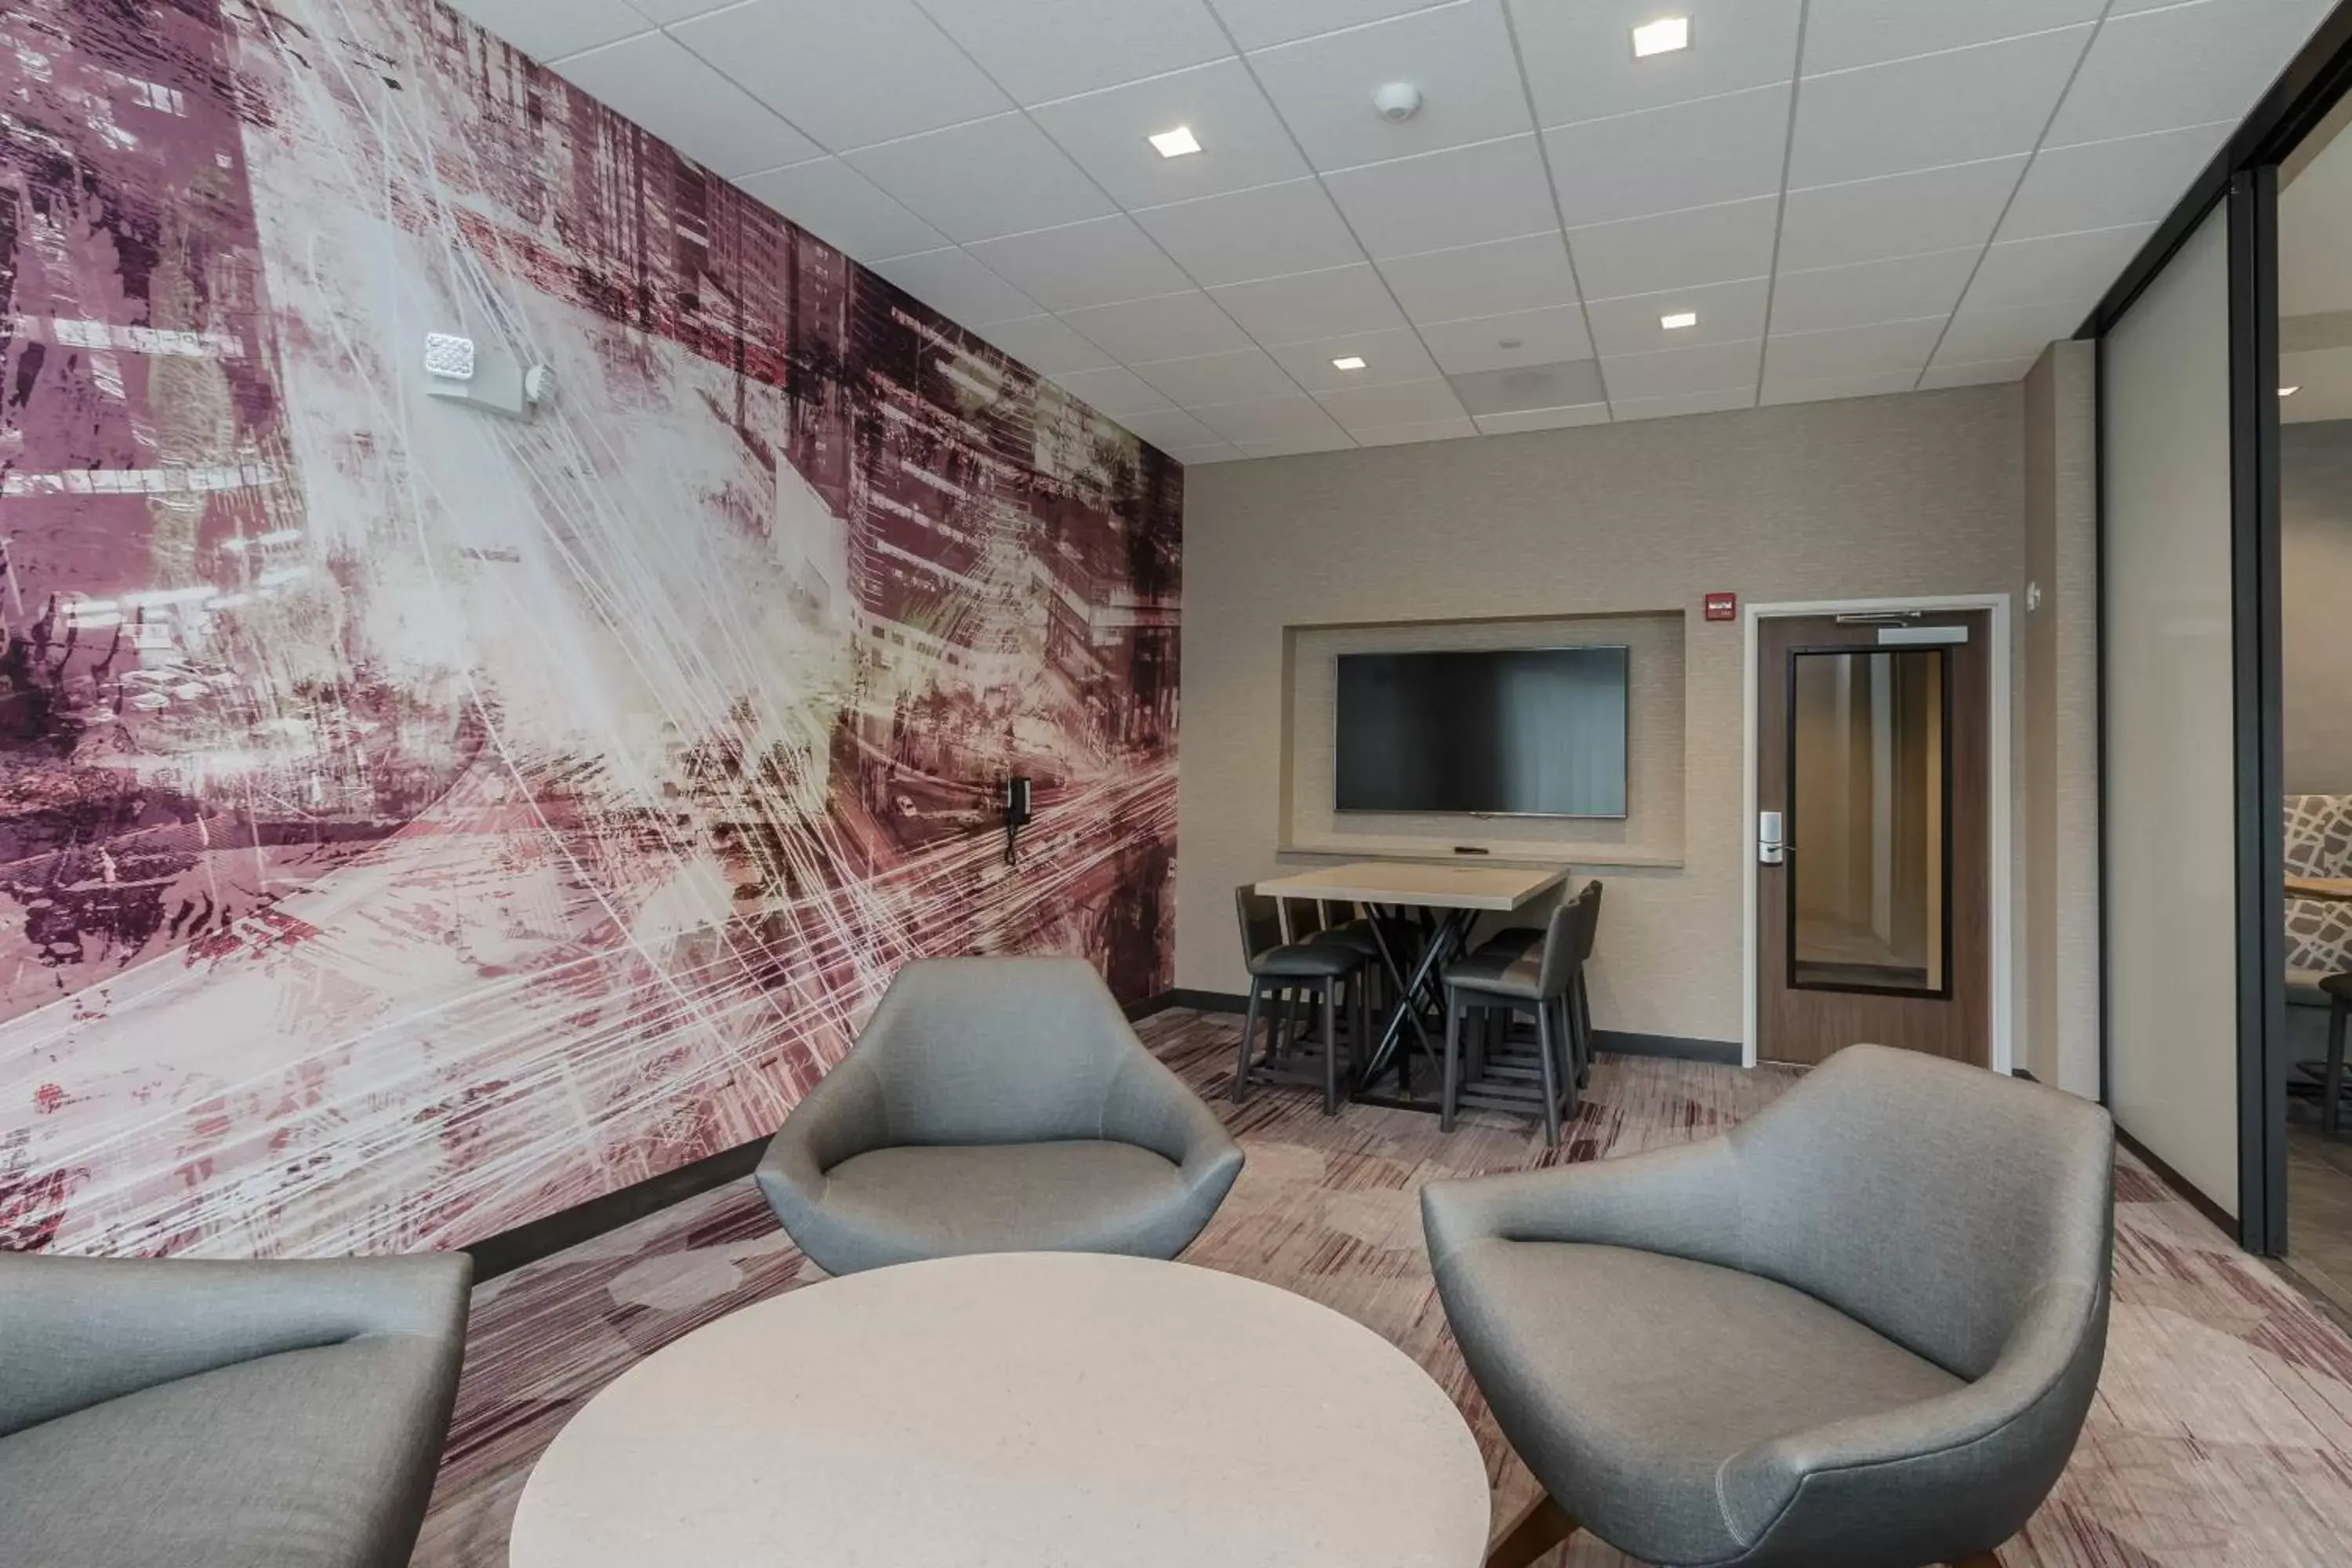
1870 796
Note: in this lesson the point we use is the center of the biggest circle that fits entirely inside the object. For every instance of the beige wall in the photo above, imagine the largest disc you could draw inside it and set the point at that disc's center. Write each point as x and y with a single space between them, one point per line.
1921 493
2059 979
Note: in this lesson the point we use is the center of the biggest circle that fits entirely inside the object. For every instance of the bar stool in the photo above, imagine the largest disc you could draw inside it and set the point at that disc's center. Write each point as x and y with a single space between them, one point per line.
1280 971
1514 976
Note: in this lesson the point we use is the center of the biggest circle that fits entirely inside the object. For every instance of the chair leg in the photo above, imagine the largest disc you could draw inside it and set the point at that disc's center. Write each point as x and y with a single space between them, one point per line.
1450 1097
1539 1527
2329 1114
1249 1038
1330 1048
1976 1560
1566 1040
1583 996
1545 1050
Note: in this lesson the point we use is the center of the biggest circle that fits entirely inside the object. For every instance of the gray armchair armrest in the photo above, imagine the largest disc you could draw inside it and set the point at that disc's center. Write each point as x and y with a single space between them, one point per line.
843 1116
77 1331
1152 1108
1983 1455
1684 1201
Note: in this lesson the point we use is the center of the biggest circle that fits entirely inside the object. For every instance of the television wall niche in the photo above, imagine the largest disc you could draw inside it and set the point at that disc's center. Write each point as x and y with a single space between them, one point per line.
415 823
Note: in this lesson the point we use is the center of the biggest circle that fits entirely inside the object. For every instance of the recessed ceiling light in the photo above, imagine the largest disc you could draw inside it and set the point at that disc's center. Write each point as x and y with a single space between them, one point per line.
1679 321
1661 37
2289 391
1177 142
1348 362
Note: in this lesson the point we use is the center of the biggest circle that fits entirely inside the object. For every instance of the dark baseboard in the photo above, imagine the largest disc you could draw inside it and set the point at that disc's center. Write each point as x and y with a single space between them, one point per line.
1617 1041
511 1249
1681 1048
2173 1179
1209 1001
1138 1011
2020 1072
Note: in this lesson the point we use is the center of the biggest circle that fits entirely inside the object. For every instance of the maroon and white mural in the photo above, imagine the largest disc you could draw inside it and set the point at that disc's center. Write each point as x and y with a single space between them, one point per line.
413 822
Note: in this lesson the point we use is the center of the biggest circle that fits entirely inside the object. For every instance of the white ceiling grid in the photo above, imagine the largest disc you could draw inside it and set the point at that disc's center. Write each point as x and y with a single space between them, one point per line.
1854 196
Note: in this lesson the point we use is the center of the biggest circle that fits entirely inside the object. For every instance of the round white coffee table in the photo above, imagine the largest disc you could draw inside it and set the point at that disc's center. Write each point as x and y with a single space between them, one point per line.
1022 1410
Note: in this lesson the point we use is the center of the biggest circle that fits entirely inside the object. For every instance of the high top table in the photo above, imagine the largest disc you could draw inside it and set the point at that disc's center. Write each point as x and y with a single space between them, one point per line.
1450 898
1015 1410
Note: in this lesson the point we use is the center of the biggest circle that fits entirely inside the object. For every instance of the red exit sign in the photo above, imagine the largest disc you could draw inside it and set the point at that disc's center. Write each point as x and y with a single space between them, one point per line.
1723 607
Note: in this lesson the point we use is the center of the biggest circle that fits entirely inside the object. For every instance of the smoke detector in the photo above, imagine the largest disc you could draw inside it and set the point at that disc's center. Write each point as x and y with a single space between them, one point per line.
1398 100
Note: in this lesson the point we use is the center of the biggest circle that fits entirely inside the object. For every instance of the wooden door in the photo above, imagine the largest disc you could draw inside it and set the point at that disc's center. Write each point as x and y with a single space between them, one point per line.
1874 749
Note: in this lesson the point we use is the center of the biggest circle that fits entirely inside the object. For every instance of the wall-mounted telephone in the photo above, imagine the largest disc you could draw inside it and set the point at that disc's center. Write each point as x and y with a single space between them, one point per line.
1017 815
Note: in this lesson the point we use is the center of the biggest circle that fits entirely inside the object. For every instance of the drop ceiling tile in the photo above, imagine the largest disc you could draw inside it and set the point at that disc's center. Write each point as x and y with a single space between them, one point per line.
1829 388
1268 419
958 287
1040 49
1309 305
1397 403
1198 457
1987 102
1659 159
1882 350
1571 384
1388 356
1501 342
1115 391
1528 273
1464 195
1978 335
1243 143
665 89
984 179
1728 313
1980 372
1581 63
2022 272
1841 34
2183 65
817 62
1263 233
1541 419
1459 55
1901 289
1236 375
547 30
668 11
2104 184
1719 367
1905 215
1676 250
1092 263
1170 428
1406 435
1171 326
1333 440
1046 344
1255 24
1625 410
843 208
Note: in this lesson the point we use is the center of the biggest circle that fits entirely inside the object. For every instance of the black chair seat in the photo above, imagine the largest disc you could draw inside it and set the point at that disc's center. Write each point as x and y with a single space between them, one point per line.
2338 987
1516 975
1304 961
1356 937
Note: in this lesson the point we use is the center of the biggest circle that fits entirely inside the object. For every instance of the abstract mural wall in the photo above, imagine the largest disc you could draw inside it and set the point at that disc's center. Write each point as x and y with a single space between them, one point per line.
413 822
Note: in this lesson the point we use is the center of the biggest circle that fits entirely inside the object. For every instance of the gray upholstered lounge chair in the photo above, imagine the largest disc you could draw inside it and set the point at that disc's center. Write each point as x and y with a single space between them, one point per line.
1860 1331
195 1414
996 1105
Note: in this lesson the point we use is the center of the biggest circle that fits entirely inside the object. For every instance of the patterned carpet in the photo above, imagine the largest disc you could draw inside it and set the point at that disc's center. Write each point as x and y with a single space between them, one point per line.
2222 1437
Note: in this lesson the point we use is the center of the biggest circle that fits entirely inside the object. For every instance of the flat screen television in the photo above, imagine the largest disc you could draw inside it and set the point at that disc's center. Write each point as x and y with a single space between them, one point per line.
1527 731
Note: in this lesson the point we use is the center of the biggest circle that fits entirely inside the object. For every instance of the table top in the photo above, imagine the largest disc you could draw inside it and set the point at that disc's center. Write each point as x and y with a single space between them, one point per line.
2329 890
1421 886
1018 1410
